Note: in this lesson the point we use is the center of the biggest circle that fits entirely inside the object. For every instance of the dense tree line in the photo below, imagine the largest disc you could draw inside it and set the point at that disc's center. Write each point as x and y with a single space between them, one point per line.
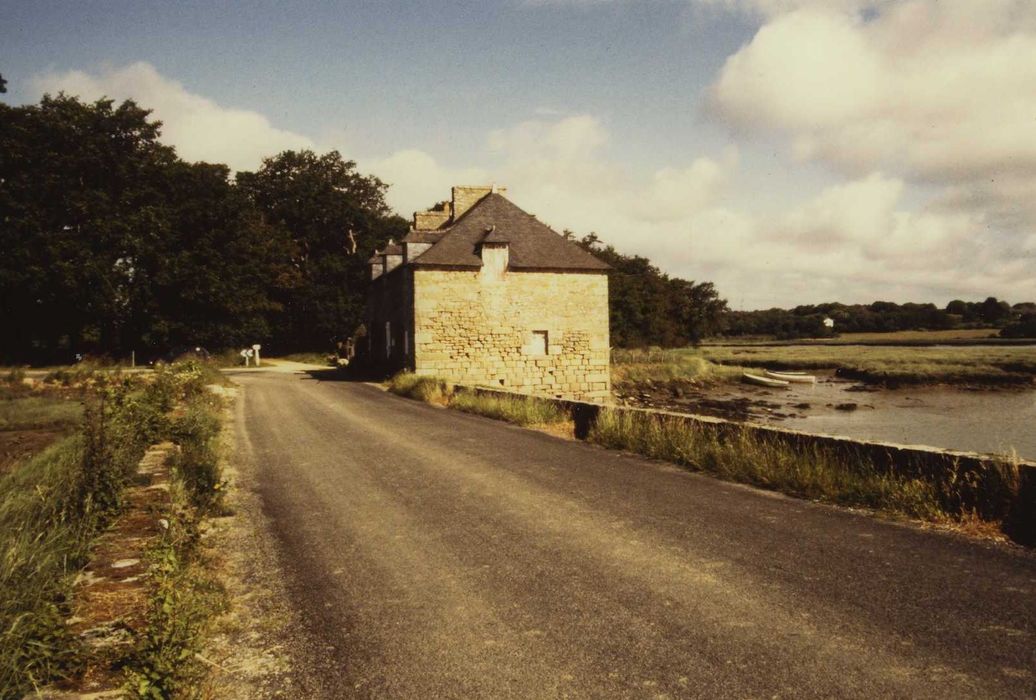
111 243
808 321
648 307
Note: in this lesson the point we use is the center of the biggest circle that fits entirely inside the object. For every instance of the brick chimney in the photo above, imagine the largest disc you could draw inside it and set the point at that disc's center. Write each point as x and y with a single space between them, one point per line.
433 218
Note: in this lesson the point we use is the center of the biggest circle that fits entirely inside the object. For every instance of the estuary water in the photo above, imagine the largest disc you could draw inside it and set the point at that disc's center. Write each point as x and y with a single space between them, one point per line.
975 421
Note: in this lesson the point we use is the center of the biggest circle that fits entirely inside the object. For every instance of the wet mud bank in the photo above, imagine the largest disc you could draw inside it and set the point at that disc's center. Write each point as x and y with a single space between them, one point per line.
970 418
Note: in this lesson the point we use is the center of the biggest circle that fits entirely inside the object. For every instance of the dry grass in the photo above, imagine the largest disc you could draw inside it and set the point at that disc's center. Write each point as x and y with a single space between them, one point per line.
916 336
520 410
965 496
516 408
740 455
634 367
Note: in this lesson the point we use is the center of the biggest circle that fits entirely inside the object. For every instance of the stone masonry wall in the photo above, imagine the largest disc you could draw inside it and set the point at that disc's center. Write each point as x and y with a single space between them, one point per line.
476 329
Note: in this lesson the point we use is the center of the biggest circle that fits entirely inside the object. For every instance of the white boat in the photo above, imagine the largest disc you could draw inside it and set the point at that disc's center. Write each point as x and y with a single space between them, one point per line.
797 377
764 381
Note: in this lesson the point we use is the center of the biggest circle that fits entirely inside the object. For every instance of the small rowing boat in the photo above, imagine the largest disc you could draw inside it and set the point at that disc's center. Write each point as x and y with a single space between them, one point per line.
797 377
764 381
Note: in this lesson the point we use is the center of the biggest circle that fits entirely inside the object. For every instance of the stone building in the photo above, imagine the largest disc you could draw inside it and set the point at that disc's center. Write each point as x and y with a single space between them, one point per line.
481 293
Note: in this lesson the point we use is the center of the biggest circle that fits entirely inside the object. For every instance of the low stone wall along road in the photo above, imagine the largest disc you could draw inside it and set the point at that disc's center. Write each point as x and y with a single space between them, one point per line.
436 554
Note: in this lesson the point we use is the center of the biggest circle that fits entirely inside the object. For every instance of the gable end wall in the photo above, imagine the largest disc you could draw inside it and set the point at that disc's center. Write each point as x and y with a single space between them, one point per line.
476 329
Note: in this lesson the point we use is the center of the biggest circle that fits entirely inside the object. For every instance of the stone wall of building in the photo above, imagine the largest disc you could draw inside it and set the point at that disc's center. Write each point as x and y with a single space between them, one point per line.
388 346
489 330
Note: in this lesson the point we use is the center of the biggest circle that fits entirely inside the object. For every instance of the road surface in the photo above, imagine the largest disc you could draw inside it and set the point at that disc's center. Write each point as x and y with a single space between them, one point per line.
436 554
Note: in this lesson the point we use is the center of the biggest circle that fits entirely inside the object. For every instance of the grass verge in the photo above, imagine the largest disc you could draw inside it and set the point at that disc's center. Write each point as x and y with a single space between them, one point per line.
54 504
512 408
520 410
982 496
185 595
987 492
51 507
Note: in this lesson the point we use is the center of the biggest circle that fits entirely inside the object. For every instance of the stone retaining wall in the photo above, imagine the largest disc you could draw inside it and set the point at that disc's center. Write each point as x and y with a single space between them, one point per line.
971 470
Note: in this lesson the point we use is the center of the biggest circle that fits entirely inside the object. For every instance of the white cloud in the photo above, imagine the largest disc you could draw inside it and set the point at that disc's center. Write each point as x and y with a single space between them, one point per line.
855 240
942 91
416 181
197 126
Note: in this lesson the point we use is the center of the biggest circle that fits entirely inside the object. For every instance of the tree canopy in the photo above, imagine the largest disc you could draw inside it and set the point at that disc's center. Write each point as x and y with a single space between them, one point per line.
112 243
647 307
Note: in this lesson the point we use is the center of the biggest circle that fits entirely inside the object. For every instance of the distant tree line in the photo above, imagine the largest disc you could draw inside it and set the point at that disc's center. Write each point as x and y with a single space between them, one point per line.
811 321
648 307
111 243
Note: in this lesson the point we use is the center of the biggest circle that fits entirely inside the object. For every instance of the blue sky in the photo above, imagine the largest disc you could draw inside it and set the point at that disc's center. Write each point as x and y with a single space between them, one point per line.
791 151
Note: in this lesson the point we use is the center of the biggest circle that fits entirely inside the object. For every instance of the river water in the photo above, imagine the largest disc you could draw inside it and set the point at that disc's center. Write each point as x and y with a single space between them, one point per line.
976 421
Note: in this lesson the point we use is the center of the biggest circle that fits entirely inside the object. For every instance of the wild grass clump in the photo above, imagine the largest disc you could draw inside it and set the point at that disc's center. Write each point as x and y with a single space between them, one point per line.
185 598
45 531
15 375
197 464
53 505
185 595
653 366
520 410
739 454
420 387
50 509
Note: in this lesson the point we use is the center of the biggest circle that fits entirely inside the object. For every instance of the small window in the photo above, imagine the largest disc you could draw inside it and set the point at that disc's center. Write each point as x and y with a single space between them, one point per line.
539 343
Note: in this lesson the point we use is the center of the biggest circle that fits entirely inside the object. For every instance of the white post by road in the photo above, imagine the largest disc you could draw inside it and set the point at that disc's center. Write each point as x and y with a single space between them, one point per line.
256 348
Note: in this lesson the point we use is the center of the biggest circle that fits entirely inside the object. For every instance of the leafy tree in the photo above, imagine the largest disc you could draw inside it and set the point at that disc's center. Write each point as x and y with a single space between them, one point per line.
81 195
214 276
335 218
1025 327
647 307
993 311
111 243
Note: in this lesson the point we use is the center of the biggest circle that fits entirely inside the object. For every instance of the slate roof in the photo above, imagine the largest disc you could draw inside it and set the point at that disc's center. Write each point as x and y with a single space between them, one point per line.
394 249
494 235
532 244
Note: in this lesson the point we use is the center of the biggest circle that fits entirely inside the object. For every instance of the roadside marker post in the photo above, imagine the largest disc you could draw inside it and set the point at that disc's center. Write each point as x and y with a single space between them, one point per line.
256 348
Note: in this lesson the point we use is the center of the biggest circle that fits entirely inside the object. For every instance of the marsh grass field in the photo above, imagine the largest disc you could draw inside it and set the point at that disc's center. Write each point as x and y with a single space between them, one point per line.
972 365
32 419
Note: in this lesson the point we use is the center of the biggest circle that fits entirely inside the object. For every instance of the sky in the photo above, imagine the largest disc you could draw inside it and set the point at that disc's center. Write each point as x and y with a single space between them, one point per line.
789 151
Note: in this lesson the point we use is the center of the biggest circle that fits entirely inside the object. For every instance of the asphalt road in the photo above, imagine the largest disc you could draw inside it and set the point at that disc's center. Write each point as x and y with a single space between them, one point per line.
436 554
